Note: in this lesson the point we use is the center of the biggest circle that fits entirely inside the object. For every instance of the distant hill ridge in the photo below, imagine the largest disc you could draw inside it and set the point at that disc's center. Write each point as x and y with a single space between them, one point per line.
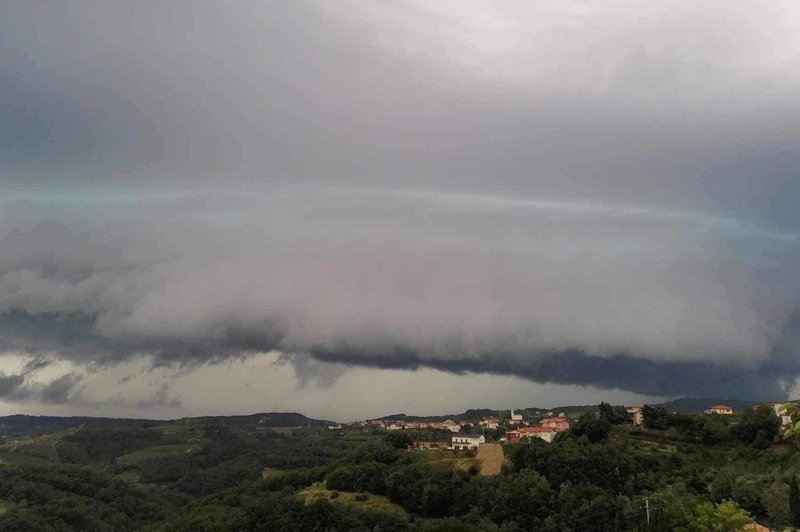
272 419
683 405
21 424
690 404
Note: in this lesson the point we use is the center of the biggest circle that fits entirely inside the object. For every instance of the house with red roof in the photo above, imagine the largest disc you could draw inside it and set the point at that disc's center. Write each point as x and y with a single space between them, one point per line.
559 424
547 429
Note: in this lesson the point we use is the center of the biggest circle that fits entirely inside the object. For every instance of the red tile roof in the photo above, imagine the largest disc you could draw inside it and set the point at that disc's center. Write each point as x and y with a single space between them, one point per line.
535 429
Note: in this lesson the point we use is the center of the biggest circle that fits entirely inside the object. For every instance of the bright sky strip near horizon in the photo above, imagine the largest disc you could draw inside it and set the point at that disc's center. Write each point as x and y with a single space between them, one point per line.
574 195
473 202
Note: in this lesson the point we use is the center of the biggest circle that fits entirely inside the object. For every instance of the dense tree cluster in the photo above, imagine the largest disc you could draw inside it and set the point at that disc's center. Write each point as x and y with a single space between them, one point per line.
616 415
655 417
71 498
595 429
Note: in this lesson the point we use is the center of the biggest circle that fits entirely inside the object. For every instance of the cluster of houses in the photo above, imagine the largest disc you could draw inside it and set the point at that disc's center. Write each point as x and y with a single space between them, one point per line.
782 410
635 412
547 429
521 430
488 423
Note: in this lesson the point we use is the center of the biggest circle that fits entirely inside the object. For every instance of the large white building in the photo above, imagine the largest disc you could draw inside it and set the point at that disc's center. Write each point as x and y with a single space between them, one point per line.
465 442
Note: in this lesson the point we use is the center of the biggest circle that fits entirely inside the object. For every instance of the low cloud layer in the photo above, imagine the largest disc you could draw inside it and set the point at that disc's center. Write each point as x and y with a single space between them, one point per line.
648 301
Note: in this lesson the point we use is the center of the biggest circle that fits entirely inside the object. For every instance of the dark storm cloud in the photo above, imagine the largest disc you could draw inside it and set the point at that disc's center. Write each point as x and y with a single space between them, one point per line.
623 372
37 363
60 390
10 384
607 102
14 388
572 192
160 398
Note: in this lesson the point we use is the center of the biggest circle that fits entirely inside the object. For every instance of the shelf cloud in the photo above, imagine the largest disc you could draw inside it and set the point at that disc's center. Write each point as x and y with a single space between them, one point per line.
624 298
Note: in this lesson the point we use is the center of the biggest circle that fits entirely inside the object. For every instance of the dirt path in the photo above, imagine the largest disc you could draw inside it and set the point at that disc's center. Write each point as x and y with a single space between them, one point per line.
491 458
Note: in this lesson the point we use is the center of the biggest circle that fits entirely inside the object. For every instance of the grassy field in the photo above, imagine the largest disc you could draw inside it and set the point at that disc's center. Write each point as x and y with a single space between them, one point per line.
372 502
131 476
285 430
158 451
647 440
188 431
359 436
449 459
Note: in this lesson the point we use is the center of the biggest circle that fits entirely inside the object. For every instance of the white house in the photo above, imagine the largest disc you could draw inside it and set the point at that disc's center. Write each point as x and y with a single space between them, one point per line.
489 423
782 411
516 419
452 426
464 442
719 410
635 412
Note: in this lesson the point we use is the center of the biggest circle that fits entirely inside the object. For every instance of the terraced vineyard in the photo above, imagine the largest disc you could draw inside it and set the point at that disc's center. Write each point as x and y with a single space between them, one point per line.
158 451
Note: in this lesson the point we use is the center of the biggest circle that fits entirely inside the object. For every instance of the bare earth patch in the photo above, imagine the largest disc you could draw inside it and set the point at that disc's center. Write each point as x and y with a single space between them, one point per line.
491 458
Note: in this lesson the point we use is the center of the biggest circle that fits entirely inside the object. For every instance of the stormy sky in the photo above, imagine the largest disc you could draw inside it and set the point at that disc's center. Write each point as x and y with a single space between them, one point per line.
360 207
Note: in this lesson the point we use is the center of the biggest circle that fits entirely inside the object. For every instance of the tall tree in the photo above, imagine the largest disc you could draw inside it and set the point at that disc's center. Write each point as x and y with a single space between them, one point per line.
655 417
616 415
589 425
723 517
761 420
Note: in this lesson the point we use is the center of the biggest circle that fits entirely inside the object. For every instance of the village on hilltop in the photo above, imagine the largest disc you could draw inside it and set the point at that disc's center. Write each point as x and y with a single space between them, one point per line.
545 425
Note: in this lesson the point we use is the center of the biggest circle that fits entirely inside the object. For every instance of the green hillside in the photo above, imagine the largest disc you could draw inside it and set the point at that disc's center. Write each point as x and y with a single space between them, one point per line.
218 473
